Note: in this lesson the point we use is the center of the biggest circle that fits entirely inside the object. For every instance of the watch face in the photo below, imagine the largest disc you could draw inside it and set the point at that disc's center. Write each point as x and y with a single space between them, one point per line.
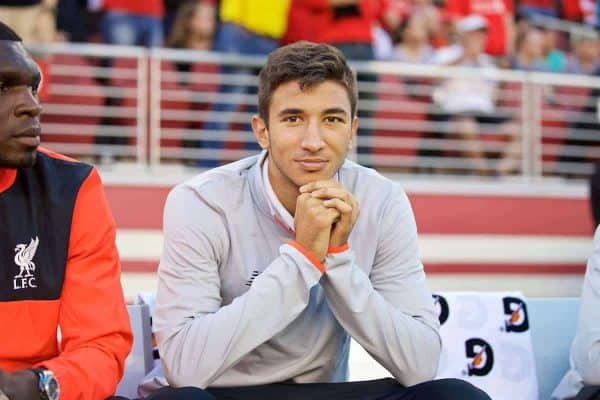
52 389
49 386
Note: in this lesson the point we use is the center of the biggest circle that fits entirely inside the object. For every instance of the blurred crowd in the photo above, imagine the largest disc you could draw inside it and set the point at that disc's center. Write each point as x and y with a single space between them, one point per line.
529 35
507 33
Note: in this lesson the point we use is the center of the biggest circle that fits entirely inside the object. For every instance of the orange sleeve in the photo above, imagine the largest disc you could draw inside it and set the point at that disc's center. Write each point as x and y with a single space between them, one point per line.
93 319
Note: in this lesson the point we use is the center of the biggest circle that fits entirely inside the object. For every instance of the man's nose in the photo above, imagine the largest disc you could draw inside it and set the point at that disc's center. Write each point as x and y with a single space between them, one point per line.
313 140
28 103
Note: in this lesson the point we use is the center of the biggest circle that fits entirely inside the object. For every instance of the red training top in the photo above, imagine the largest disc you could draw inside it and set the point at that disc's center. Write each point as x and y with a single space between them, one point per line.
60 270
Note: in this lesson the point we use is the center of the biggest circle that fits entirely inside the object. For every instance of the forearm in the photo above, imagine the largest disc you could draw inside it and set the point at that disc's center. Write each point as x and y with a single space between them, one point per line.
197 346
91 371
93 320
404 343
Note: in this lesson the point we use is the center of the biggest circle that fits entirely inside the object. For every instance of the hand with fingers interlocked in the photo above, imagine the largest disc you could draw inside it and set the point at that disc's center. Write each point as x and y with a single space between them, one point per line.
334 196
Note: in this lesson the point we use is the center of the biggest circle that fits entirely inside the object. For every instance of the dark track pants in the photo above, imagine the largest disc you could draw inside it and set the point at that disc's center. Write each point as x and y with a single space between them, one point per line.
381 389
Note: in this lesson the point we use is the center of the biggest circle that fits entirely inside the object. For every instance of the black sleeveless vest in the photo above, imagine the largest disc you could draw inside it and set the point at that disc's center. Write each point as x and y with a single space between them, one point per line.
35 226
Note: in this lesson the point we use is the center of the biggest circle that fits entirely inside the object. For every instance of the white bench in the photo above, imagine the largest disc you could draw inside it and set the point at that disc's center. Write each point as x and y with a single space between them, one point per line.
552 322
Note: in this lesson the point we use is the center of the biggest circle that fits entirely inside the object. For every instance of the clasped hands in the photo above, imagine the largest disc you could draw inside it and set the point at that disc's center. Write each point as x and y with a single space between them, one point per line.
325 215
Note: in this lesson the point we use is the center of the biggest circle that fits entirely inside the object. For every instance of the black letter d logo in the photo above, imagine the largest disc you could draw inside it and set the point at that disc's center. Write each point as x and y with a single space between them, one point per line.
482 357
516 311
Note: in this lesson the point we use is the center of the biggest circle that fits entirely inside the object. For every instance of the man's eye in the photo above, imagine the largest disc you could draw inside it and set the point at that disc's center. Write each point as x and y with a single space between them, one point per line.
292 119
333 119
34 89
4 88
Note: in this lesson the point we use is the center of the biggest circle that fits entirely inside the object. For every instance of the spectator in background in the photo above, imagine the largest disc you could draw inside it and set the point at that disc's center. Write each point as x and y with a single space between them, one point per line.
248 27
127 23
530 54
193 29
585 11
585 56
303 22
427 9
396 12
589 12
556 60
194 26
33 20
466 102
413 41
171 9
531 8
72 18
499 15
583 132
133 22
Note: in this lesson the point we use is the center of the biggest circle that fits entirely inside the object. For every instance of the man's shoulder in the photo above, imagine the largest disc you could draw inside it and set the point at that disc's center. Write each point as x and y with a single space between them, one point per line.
219 183
48 158
49 154
364 181
58 170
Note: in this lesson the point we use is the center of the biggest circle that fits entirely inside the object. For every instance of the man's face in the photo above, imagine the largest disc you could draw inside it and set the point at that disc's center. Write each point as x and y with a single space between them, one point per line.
309 134
19 106
474 42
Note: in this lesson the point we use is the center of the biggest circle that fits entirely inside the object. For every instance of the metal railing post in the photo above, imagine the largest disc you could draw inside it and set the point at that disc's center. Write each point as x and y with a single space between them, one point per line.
531 130
142 109
155 113
536 130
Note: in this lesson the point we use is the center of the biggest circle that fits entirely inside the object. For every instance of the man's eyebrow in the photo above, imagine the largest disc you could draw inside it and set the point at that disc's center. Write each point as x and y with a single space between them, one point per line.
290 111
335 110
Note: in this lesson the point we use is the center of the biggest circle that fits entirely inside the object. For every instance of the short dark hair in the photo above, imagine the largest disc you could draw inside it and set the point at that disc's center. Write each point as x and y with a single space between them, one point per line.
309 64
6 33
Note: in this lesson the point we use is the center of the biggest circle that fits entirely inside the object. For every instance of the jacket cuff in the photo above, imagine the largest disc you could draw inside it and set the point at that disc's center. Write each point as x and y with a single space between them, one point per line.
313 260
338 249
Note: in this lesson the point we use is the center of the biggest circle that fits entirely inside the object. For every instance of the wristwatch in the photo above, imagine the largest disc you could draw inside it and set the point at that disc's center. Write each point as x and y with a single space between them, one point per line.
47 384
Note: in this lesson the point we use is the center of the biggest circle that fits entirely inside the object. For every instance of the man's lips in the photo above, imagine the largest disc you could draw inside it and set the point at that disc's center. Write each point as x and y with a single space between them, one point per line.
312 164
29 136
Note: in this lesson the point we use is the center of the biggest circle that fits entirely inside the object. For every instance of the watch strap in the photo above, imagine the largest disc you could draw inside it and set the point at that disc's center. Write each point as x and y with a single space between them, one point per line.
40 373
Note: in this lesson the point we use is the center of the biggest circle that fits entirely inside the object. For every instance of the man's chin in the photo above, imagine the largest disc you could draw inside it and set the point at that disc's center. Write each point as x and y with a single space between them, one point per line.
25 160
308 177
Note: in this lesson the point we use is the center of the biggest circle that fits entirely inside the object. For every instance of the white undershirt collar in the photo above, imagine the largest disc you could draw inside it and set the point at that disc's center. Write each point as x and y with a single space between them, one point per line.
277 209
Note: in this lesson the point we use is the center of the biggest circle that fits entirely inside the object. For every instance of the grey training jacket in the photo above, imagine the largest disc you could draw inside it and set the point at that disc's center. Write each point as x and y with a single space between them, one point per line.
237 305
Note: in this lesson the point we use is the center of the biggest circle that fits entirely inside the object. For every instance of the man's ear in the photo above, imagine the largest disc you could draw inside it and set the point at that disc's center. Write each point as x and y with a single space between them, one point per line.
261 132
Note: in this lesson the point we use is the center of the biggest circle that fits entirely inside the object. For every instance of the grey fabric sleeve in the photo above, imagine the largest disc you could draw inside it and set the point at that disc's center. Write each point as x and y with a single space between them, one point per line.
585 351
198 338
391 312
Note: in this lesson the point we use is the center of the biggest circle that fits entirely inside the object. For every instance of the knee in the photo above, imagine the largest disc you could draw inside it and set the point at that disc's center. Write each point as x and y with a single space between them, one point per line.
451 389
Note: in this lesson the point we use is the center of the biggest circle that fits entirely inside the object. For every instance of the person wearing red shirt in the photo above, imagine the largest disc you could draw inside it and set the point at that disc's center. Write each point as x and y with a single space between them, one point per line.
499 15
133 22
59 265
